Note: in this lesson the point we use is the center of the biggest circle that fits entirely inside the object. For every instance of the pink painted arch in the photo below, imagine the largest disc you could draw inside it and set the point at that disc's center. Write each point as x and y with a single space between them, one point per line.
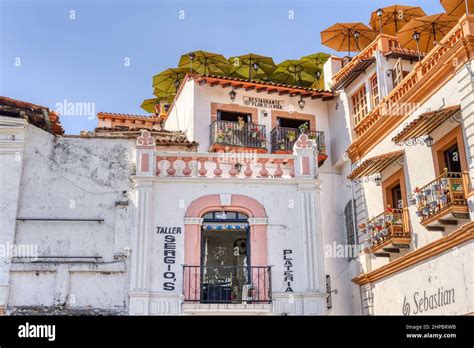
240 203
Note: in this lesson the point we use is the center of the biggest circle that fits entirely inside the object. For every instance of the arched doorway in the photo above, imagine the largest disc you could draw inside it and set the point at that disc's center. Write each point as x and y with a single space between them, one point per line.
225 257
248 223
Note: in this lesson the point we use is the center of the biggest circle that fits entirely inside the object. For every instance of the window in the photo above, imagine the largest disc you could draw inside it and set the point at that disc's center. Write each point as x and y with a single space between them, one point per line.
291 122
374 89
233 116
349 219
398 74
359 104
451 159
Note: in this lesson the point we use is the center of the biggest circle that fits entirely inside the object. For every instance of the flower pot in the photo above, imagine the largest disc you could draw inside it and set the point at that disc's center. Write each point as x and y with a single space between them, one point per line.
436 187
426 210
433 204
427 192
445 182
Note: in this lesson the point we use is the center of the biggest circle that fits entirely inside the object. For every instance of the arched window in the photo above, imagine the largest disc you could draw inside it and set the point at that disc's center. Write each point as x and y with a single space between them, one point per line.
349 219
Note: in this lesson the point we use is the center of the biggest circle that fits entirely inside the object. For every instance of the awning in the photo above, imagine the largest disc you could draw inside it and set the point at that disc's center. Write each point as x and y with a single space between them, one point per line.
355 71
426 123
375 164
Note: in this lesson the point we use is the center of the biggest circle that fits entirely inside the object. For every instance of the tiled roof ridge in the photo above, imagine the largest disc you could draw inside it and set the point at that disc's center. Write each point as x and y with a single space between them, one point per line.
262 82
117 114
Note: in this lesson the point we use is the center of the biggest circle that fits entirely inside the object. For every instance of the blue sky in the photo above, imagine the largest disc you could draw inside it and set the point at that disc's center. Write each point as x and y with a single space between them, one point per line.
47 57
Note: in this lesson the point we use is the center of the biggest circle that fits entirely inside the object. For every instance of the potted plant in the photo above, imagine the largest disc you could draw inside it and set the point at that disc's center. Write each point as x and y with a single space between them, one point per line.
303 128
281 144
255 132
220 136
426 210
229 130
427 192
322 149
291 135
312 136
433 204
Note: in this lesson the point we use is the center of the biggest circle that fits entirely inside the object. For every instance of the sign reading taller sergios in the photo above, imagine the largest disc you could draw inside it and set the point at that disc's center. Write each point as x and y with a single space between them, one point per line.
264 103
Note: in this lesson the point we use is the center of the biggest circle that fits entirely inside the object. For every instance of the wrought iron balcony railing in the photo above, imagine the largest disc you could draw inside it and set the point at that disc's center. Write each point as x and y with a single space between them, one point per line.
227 284
229 133
449 190
283 139
390 227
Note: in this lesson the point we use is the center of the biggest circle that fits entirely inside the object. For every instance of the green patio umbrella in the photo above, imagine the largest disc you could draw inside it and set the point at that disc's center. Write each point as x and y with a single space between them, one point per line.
203 62
252 66
149 105
296 72
317 58
169 80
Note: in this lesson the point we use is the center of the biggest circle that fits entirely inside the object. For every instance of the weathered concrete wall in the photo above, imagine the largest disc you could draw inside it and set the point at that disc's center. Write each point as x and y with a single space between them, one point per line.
81 264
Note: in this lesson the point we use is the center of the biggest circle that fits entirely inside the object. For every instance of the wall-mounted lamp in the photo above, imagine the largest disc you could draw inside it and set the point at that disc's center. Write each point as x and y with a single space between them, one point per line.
429 140
301 103
378 179
232 94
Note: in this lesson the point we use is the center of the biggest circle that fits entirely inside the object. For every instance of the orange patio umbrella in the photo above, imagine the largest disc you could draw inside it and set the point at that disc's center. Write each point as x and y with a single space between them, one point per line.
348 37
389 20
421 33
458 7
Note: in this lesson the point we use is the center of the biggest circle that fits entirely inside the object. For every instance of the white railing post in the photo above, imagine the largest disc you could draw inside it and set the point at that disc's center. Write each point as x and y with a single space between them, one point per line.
146 165
306 164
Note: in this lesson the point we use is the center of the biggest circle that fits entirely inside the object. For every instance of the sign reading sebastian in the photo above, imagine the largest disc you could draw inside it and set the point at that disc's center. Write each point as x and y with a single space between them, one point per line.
263 103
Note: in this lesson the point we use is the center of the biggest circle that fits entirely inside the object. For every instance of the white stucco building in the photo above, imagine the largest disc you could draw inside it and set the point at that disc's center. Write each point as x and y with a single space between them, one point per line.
252 197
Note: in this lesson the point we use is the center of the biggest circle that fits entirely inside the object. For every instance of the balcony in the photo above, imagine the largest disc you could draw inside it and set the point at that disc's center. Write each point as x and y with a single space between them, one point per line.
443 202
388 232
227 284
283 139
237 136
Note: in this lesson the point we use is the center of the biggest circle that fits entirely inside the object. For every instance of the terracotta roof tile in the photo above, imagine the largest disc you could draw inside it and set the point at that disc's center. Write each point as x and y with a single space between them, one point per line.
35 114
